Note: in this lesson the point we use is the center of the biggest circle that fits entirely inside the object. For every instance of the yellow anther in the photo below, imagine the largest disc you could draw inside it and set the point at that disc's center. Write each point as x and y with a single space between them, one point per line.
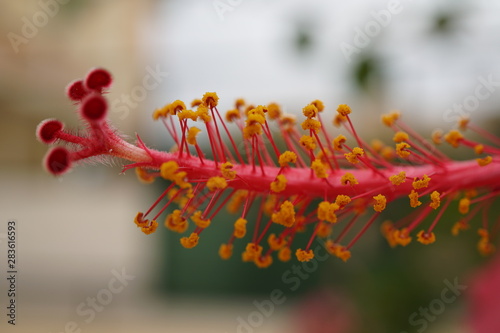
168 170
342 200
285 254
453 138
180 180
216 183
338 250
310 111
203 114
140 221
255 118
286 158
308 142
485 248
435 200
161 112
319 168
353 156
324 229
288 120
232 115
191 136
318 104
196 102
437 137
176 222
227 170
463 122
144 176
176 106
240 228
270 204
226 251
237 201
400 137
191 241
387 229
187 114
377 145
263 261
401 149
252 251
421 183
276 243
250 130
286 215
398 179
463 205
210 99
414 202
426 238
390 118
338 120
381 202
343 110
348 178
273 111
279 184
240 102
200 223
149 229
479 149
484 161
326 211
402 236
388 153
459 226
311 124
303 255
338 142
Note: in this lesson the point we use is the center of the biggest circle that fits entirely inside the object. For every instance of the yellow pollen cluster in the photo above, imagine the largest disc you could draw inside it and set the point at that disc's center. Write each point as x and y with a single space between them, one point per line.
435 200
232 115
273 111
147 227
263 261
344 110
484 161
463 205
338 120
286 158
303 255
400 137
326 211
353 156
459 226
324 229
463 122
342 200
453 138
311 124
227 170
338 142
414 202
319 168
226 251
348 178
426 238
479 149
199 221
191 241
279 184
437 137
192 133
210 99
240 228
380 204
310 111
275 243
169 171
144 176
308 142
203 114
401 149
484 246
286 215
285 254
421 183
389 119
216 183
401 236
318 104
252 252
398 179
176 222
338 250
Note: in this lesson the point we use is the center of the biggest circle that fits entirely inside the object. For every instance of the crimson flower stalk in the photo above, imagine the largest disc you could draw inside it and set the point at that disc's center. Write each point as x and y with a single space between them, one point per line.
306 180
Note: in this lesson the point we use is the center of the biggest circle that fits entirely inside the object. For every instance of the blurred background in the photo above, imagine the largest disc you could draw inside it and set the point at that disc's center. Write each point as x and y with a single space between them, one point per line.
75 233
